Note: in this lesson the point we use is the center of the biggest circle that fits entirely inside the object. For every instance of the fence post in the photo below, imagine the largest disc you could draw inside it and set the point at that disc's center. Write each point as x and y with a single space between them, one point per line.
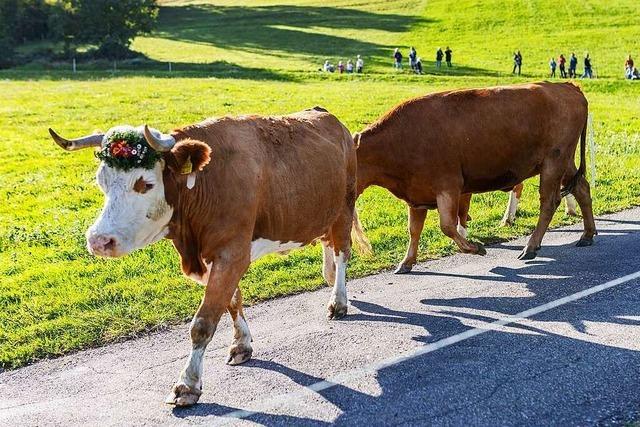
169 66
115 67
74 65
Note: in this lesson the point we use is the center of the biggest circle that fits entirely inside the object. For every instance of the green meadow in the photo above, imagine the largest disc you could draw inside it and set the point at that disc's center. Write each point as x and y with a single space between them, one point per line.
263 58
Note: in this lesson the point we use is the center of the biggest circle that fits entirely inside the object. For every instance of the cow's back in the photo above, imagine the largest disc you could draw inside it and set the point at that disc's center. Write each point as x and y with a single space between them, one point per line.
286 173
488 139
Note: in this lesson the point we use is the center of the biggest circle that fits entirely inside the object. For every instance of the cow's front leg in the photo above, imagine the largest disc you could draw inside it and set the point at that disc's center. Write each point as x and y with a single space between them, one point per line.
416 224
240 350
226 272
448 210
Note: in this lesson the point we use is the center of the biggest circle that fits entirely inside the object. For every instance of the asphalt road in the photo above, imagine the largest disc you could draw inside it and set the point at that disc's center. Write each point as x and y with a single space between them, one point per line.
464 340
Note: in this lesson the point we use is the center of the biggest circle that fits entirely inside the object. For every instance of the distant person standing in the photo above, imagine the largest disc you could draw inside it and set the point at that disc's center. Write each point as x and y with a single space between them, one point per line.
447 56
327 67
588 70
340 67
397 59
413 56
517 62
561 63
573 65
552 66
359 64
418 66
628 67
439 56
349 66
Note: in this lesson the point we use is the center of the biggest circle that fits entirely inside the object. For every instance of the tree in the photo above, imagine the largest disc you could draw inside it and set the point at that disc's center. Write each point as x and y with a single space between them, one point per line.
110 24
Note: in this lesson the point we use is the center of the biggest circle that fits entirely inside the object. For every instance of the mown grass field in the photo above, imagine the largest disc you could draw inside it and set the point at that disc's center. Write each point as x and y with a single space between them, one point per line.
55 298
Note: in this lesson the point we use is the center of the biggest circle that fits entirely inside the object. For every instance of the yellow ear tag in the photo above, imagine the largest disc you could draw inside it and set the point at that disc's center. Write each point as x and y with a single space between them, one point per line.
187 167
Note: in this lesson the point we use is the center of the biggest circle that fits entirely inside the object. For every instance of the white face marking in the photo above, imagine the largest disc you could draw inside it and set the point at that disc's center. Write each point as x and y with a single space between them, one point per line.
132 219
261 247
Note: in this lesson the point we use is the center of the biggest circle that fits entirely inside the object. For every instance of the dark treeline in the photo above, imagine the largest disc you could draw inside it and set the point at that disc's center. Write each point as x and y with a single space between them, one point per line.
106 27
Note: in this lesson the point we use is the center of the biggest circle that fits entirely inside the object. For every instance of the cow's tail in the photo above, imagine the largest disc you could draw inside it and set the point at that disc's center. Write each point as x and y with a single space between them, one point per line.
358 238
582 169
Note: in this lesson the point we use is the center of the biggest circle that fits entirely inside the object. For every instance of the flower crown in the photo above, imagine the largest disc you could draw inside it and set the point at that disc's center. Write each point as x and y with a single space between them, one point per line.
128 150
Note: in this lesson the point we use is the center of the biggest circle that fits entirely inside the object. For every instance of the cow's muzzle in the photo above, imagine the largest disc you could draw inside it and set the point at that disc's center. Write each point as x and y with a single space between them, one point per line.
103 245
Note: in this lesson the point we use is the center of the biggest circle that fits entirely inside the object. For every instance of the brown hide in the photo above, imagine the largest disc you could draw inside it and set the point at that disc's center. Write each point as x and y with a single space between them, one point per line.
434 151
278 178
473 140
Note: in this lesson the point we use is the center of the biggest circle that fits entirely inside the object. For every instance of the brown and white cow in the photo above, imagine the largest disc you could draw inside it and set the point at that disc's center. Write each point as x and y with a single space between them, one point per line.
226 192
431 150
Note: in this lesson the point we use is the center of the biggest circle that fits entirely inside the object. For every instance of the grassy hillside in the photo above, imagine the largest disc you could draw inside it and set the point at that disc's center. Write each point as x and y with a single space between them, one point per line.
55 298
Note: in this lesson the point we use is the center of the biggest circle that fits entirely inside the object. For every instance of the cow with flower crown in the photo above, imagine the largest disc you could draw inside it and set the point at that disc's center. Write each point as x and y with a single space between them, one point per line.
226 192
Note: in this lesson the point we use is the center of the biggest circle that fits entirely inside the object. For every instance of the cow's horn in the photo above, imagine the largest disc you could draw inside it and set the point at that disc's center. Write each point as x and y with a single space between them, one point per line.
164 143
79 143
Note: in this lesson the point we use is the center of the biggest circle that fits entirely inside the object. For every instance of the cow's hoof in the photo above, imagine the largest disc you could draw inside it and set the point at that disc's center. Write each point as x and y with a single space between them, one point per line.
584 241
527 255
403 269
183 395
239 353
336 311
481 250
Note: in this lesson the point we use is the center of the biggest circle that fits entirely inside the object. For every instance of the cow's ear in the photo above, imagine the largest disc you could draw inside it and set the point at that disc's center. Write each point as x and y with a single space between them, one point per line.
189 156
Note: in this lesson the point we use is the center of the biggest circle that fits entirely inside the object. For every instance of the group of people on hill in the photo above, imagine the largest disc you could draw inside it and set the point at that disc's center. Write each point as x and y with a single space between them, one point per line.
415 62
561 63
630 70
349 67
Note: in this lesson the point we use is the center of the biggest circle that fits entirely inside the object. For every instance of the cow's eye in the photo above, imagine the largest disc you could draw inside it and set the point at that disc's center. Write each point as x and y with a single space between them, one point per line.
141 186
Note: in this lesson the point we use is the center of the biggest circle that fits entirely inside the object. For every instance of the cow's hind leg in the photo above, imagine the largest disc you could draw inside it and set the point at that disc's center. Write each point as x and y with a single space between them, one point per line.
221 286
328 264
416 224
512 206
240 350
550 179
582 193
448 210
340 235
463 214
570 207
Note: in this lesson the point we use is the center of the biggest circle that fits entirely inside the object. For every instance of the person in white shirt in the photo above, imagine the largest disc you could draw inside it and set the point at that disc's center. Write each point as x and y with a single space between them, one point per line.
349 66
359 64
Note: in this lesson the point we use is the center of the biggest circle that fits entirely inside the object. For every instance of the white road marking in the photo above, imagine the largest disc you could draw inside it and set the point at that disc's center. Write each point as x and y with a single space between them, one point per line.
354 374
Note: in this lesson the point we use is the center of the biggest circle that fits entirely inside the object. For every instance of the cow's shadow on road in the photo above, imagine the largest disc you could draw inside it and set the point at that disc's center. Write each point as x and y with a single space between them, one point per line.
505 377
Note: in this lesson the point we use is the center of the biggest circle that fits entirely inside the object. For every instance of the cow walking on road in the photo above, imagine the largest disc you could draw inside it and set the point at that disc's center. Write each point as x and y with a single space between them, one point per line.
431 151
226 192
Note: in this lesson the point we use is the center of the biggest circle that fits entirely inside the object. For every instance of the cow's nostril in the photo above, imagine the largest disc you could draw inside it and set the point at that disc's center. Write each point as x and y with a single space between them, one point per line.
109 244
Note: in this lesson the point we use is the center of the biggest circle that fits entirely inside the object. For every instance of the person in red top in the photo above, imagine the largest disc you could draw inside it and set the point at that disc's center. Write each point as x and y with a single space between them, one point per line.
561 63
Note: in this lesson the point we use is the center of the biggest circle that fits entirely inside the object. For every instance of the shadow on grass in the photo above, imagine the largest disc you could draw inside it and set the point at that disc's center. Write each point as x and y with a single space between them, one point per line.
142 67
280 30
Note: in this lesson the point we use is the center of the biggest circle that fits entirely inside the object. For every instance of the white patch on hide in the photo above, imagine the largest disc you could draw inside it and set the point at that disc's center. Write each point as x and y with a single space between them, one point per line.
205 277
261 247
462 231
